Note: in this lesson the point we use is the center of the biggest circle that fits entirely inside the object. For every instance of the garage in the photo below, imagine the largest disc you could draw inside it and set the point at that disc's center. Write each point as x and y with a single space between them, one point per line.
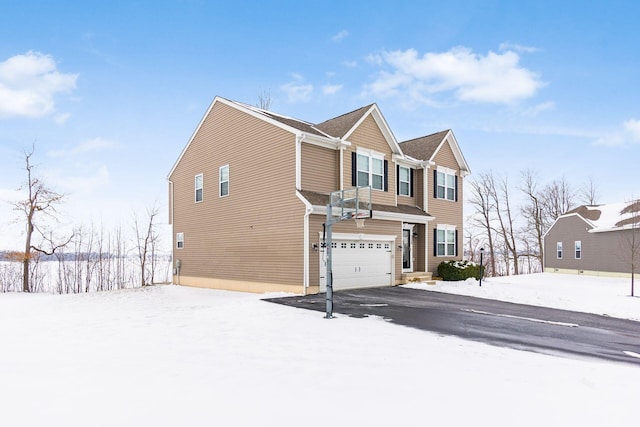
359 261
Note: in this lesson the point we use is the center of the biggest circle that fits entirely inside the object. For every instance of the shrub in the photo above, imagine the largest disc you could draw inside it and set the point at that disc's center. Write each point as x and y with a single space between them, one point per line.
458 270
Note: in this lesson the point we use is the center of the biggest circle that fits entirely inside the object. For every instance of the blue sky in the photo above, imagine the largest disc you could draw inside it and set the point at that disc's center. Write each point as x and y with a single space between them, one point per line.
110 92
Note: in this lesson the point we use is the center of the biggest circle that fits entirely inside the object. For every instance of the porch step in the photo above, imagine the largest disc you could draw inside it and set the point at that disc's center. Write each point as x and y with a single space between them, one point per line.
416 276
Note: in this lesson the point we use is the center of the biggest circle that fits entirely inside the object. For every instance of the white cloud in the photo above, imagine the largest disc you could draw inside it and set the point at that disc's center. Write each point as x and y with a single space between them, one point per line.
92 183
350 64
629 134
340 36
518 48
297 90
29 84
94 144
492 78
331 89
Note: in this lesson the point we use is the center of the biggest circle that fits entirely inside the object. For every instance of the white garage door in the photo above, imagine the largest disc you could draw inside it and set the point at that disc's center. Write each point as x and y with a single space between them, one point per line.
358 263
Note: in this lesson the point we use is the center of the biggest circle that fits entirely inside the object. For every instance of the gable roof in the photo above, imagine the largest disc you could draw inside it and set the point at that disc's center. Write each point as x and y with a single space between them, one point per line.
608 217
339 126
426 147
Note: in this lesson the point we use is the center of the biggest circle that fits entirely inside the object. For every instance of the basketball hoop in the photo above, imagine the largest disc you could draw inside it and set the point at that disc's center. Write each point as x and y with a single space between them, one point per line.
359 222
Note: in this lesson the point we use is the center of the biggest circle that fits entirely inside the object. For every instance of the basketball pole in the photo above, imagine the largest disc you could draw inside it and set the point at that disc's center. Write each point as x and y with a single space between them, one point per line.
329 279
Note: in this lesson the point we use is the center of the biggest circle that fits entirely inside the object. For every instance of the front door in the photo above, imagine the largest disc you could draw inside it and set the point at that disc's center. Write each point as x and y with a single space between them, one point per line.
406 251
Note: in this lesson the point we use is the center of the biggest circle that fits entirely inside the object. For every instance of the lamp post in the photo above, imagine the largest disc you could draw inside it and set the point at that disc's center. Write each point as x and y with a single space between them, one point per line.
481 270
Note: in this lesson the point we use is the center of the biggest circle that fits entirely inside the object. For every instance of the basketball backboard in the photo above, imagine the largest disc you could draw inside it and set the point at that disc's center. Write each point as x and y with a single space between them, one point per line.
351 203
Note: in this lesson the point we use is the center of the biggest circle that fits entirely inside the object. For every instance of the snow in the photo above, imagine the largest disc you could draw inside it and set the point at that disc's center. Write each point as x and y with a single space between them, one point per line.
171 355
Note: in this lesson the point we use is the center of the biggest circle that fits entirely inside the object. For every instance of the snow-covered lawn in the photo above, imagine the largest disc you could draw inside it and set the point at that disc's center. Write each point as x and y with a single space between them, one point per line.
176 356
590 294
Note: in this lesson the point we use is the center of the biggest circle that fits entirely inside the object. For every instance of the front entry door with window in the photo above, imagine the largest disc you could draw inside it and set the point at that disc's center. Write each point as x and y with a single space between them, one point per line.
406 251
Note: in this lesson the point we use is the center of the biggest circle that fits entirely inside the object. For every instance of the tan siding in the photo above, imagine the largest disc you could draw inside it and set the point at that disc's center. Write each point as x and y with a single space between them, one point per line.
372 226
368 136
444 211
255 234
320 169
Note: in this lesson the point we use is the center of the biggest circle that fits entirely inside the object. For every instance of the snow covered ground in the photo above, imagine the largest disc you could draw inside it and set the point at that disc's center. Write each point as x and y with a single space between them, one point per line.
175 356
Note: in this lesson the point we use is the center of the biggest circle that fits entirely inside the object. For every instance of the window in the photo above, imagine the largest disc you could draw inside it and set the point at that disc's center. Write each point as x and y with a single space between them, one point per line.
199 187
179 240
446 241
404 181
224 181
446 185
559 250
578 249
369 169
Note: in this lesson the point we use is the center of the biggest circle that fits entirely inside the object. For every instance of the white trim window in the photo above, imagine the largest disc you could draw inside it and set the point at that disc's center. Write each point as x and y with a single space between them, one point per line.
446 184
404 179
446 240
199 187
224 180
370 170
179 240
559 250
578 249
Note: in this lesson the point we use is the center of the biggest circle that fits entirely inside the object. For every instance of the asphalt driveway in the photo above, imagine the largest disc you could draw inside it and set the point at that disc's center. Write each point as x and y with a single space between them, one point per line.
518 326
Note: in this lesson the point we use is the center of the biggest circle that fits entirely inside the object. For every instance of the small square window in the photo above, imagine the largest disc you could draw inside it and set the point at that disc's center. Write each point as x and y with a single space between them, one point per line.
353 245
361 245
343 245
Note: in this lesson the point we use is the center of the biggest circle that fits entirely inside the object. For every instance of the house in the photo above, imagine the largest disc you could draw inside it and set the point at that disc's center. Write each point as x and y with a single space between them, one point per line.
248 197
595 240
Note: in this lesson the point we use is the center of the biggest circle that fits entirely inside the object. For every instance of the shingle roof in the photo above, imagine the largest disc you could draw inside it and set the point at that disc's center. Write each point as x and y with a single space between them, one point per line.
423 148
610 216
339 126
319 199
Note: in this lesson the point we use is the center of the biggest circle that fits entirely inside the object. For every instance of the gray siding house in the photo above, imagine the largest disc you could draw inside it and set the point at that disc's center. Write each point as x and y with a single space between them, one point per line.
597 240
248 196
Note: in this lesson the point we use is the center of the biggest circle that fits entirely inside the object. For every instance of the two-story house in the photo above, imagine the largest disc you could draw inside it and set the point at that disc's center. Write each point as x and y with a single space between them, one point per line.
248 198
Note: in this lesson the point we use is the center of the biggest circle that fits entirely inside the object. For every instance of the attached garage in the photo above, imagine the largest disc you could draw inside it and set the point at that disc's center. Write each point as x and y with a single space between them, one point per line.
359 261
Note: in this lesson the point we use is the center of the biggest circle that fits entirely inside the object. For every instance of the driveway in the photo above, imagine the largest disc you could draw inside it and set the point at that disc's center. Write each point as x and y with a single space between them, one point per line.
518 326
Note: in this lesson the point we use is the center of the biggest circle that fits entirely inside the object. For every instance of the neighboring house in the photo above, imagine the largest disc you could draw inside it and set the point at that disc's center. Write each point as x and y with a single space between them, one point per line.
248 198
594 240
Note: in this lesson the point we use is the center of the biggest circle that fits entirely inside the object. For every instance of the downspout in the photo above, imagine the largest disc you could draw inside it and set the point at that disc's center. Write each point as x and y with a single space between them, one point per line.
425 202
171 221
306 243
342 148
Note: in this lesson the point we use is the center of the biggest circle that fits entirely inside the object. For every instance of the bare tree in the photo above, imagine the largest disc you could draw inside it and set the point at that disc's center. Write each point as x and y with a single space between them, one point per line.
532 212
146 244
630 239
483 205
588 193
264 99
41 201
558 199
500 196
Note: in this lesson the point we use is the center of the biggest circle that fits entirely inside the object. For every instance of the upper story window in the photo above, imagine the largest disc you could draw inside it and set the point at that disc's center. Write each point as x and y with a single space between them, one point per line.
369 169
199 185
224 181
446 240
578 247
446 184
559 250
179 240
404 181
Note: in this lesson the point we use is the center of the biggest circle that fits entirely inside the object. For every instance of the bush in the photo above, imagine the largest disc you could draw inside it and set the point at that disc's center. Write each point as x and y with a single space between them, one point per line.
452 271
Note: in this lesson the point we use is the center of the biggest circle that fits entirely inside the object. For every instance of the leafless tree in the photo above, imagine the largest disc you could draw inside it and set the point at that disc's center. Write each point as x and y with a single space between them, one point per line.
630 239
41 201
588 193
532 212
483 205
264 99
146 244
506 220
558 199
